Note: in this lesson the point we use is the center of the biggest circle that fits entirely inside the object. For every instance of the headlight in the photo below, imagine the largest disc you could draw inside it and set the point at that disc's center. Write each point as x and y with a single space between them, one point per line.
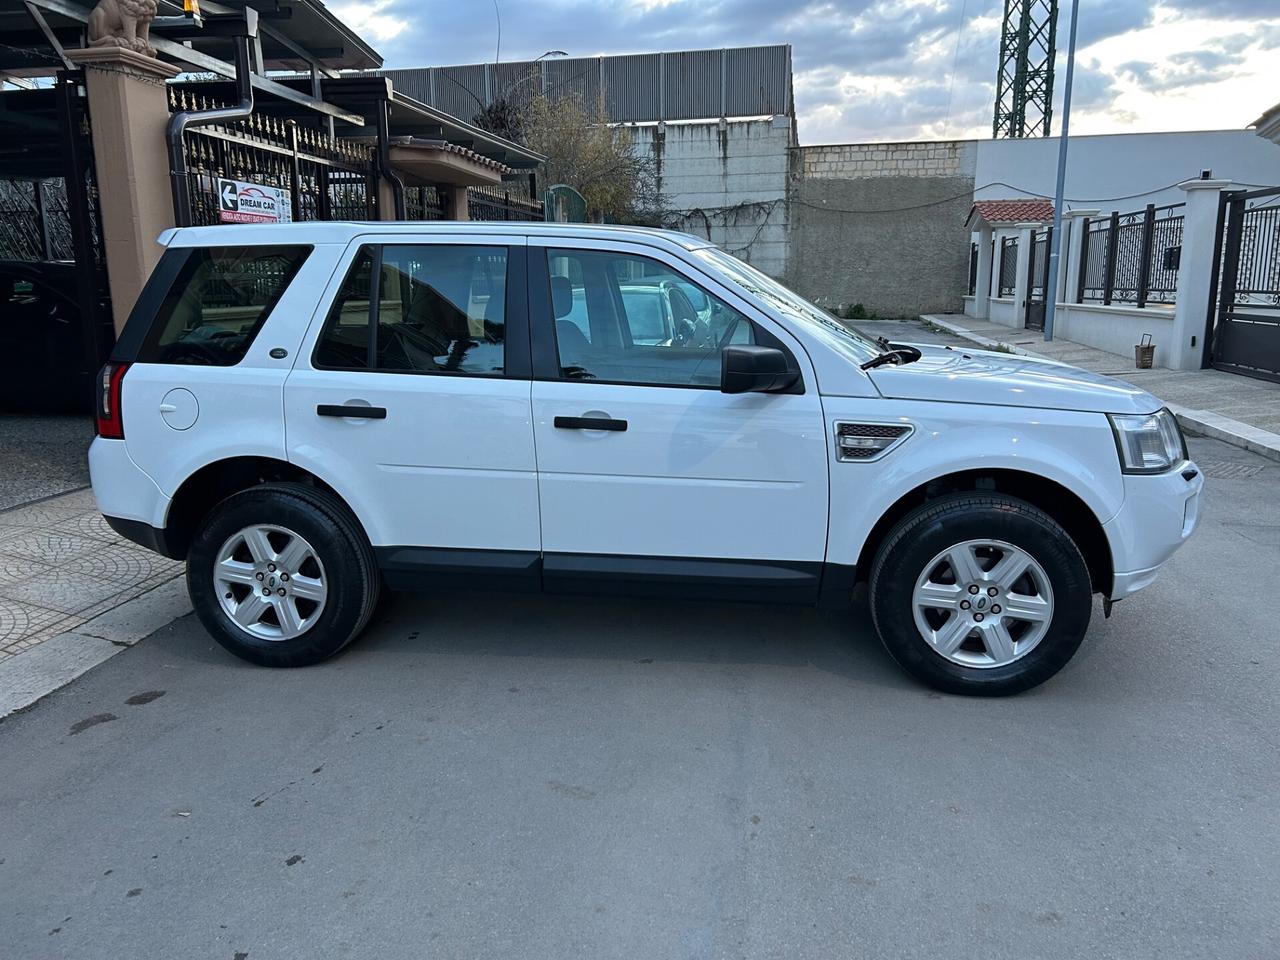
1148 443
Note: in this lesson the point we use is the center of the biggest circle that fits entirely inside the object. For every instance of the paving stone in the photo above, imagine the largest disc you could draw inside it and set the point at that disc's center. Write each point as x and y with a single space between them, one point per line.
51 546
63 590
121 563
26 621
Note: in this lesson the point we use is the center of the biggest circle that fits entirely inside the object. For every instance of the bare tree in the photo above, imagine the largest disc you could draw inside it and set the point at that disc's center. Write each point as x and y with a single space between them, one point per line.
595 157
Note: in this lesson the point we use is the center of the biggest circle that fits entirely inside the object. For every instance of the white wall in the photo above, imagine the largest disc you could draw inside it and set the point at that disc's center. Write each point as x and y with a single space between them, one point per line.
727 181
1126 166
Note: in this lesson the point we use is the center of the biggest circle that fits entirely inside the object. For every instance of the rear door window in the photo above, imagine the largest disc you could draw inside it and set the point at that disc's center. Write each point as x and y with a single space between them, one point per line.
440 308
218 302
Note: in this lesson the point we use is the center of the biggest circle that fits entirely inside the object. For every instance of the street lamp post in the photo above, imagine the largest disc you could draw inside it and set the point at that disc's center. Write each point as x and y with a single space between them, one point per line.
1055 241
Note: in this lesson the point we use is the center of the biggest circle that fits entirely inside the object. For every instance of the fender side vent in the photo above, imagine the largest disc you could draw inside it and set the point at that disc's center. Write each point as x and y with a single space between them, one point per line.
863 442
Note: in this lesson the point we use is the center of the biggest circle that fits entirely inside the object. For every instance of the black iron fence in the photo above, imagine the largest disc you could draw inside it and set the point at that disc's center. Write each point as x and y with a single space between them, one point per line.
424 203
973 268
1131 258
274 168
1008 275
508 201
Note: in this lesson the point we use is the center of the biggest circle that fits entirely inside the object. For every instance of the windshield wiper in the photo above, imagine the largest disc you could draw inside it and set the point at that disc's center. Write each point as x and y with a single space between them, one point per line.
893 353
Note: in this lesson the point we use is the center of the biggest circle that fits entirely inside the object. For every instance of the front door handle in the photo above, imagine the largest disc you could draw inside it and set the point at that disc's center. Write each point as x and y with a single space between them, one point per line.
354 411
590 423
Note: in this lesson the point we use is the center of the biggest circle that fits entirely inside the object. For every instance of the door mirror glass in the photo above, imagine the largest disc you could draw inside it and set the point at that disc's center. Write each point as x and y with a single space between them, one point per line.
752 369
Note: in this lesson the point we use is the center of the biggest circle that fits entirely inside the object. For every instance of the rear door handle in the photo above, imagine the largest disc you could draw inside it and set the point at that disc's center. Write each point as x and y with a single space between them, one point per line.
590 423
354 411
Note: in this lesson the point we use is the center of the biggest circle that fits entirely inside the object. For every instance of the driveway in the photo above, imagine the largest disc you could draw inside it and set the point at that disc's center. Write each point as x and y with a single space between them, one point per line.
528 777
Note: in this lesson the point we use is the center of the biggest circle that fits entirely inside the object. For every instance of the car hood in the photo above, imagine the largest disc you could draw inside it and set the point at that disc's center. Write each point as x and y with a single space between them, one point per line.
983 376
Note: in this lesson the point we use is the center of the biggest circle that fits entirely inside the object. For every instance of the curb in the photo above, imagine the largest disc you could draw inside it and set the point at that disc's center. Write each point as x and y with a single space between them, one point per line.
55 662
1203 423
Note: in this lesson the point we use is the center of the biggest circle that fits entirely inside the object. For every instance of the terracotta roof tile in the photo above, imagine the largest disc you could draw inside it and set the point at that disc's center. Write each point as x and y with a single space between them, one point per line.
1013 211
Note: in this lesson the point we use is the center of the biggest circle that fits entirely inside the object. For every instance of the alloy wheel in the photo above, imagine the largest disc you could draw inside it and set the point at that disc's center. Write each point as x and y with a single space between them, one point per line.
983 603
270 582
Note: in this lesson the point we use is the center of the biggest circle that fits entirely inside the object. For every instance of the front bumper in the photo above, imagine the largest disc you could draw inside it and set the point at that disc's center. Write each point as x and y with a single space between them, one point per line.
1159 514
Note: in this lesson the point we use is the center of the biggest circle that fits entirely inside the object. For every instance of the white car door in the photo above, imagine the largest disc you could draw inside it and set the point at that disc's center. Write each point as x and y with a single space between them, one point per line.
411 399
649 477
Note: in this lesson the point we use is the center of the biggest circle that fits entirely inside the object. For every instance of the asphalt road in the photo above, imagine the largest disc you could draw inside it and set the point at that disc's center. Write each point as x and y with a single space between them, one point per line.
528 778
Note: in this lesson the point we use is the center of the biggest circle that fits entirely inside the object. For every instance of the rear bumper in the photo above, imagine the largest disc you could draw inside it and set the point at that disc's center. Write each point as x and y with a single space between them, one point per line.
1159 515
129 499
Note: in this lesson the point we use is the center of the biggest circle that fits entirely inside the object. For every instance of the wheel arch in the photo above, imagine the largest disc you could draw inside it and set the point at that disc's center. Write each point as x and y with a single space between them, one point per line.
214 482
1060 503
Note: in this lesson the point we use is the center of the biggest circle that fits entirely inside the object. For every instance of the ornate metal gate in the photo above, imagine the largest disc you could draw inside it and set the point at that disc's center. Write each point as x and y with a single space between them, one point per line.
1037 279
323 177
1246 336
54 259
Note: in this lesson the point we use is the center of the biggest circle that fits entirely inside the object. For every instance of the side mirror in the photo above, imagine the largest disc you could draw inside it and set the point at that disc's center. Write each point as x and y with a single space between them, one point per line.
745 369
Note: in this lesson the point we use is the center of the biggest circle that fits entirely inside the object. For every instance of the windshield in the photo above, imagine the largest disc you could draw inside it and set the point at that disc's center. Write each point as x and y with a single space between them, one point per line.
790 305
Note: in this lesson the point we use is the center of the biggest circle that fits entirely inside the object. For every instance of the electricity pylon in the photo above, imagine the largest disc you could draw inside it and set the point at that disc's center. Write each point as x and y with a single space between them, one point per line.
1024 84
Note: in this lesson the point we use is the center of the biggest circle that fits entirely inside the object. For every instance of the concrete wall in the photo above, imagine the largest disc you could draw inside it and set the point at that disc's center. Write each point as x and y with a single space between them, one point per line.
726 181
1123 171
882 225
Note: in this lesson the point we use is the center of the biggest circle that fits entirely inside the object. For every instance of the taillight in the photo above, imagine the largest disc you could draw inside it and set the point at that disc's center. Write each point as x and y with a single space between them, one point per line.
110 414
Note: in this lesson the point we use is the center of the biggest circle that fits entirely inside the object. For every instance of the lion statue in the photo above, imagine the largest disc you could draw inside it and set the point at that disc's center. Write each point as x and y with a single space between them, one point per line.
123 23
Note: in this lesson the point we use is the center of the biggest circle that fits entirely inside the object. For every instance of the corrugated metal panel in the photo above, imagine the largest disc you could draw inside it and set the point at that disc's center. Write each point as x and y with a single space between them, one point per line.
691 83
518 81
684 85
631 86
757 81
461 90
412 83
578 77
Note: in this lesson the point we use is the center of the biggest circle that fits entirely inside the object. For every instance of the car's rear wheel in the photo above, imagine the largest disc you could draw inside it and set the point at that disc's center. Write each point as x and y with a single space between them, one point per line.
980 594
281 575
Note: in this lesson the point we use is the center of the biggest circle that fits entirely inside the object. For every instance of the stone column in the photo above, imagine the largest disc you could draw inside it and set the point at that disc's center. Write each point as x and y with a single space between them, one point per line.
129 110
457 206
1195 272
982 290
1069 262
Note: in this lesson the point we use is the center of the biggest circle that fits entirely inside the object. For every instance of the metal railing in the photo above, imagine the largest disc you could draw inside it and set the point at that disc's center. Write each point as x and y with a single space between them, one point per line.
1131 258
1008 282
323 177
510 201
424 203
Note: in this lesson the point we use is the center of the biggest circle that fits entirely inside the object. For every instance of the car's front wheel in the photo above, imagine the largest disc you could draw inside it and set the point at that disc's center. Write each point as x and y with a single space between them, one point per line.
980 594
282 576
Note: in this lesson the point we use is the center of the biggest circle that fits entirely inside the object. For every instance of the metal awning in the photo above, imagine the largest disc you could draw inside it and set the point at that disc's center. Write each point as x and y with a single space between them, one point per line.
364 95
297 34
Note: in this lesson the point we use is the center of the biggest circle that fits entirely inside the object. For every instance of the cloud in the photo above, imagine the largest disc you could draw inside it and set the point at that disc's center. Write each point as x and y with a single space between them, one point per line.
864 69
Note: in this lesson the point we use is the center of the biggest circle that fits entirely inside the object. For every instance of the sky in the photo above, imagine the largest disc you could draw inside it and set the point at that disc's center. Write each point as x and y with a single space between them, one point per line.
868 70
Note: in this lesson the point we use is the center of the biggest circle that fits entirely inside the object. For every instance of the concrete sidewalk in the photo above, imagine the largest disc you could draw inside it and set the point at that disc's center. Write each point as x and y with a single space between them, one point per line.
1238 410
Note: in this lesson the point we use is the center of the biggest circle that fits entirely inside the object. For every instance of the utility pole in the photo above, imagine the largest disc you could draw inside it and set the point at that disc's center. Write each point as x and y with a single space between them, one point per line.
1055 241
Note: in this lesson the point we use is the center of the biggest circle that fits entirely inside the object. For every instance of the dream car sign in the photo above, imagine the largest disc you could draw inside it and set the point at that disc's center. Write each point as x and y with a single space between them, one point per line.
241 202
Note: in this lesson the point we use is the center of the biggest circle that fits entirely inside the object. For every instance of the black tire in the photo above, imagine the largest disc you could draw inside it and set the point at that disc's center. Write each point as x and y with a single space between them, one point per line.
351 573
940 524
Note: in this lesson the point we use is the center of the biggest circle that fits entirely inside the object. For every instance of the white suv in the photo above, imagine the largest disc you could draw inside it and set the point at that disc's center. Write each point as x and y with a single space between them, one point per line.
309 412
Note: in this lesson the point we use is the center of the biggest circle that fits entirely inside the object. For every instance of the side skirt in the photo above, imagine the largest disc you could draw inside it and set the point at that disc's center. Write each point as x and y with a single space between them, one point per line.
694 578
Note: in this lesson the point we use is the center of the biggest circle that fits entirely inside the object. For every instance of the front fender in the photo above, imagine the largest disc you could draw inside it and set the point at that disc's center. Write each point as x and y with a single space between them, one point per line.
1070 448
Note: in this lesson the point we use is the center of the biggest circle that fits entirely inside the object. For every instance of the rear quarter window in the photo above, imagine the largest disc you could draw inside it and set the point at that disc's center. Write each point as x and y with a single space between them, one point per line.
218 302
